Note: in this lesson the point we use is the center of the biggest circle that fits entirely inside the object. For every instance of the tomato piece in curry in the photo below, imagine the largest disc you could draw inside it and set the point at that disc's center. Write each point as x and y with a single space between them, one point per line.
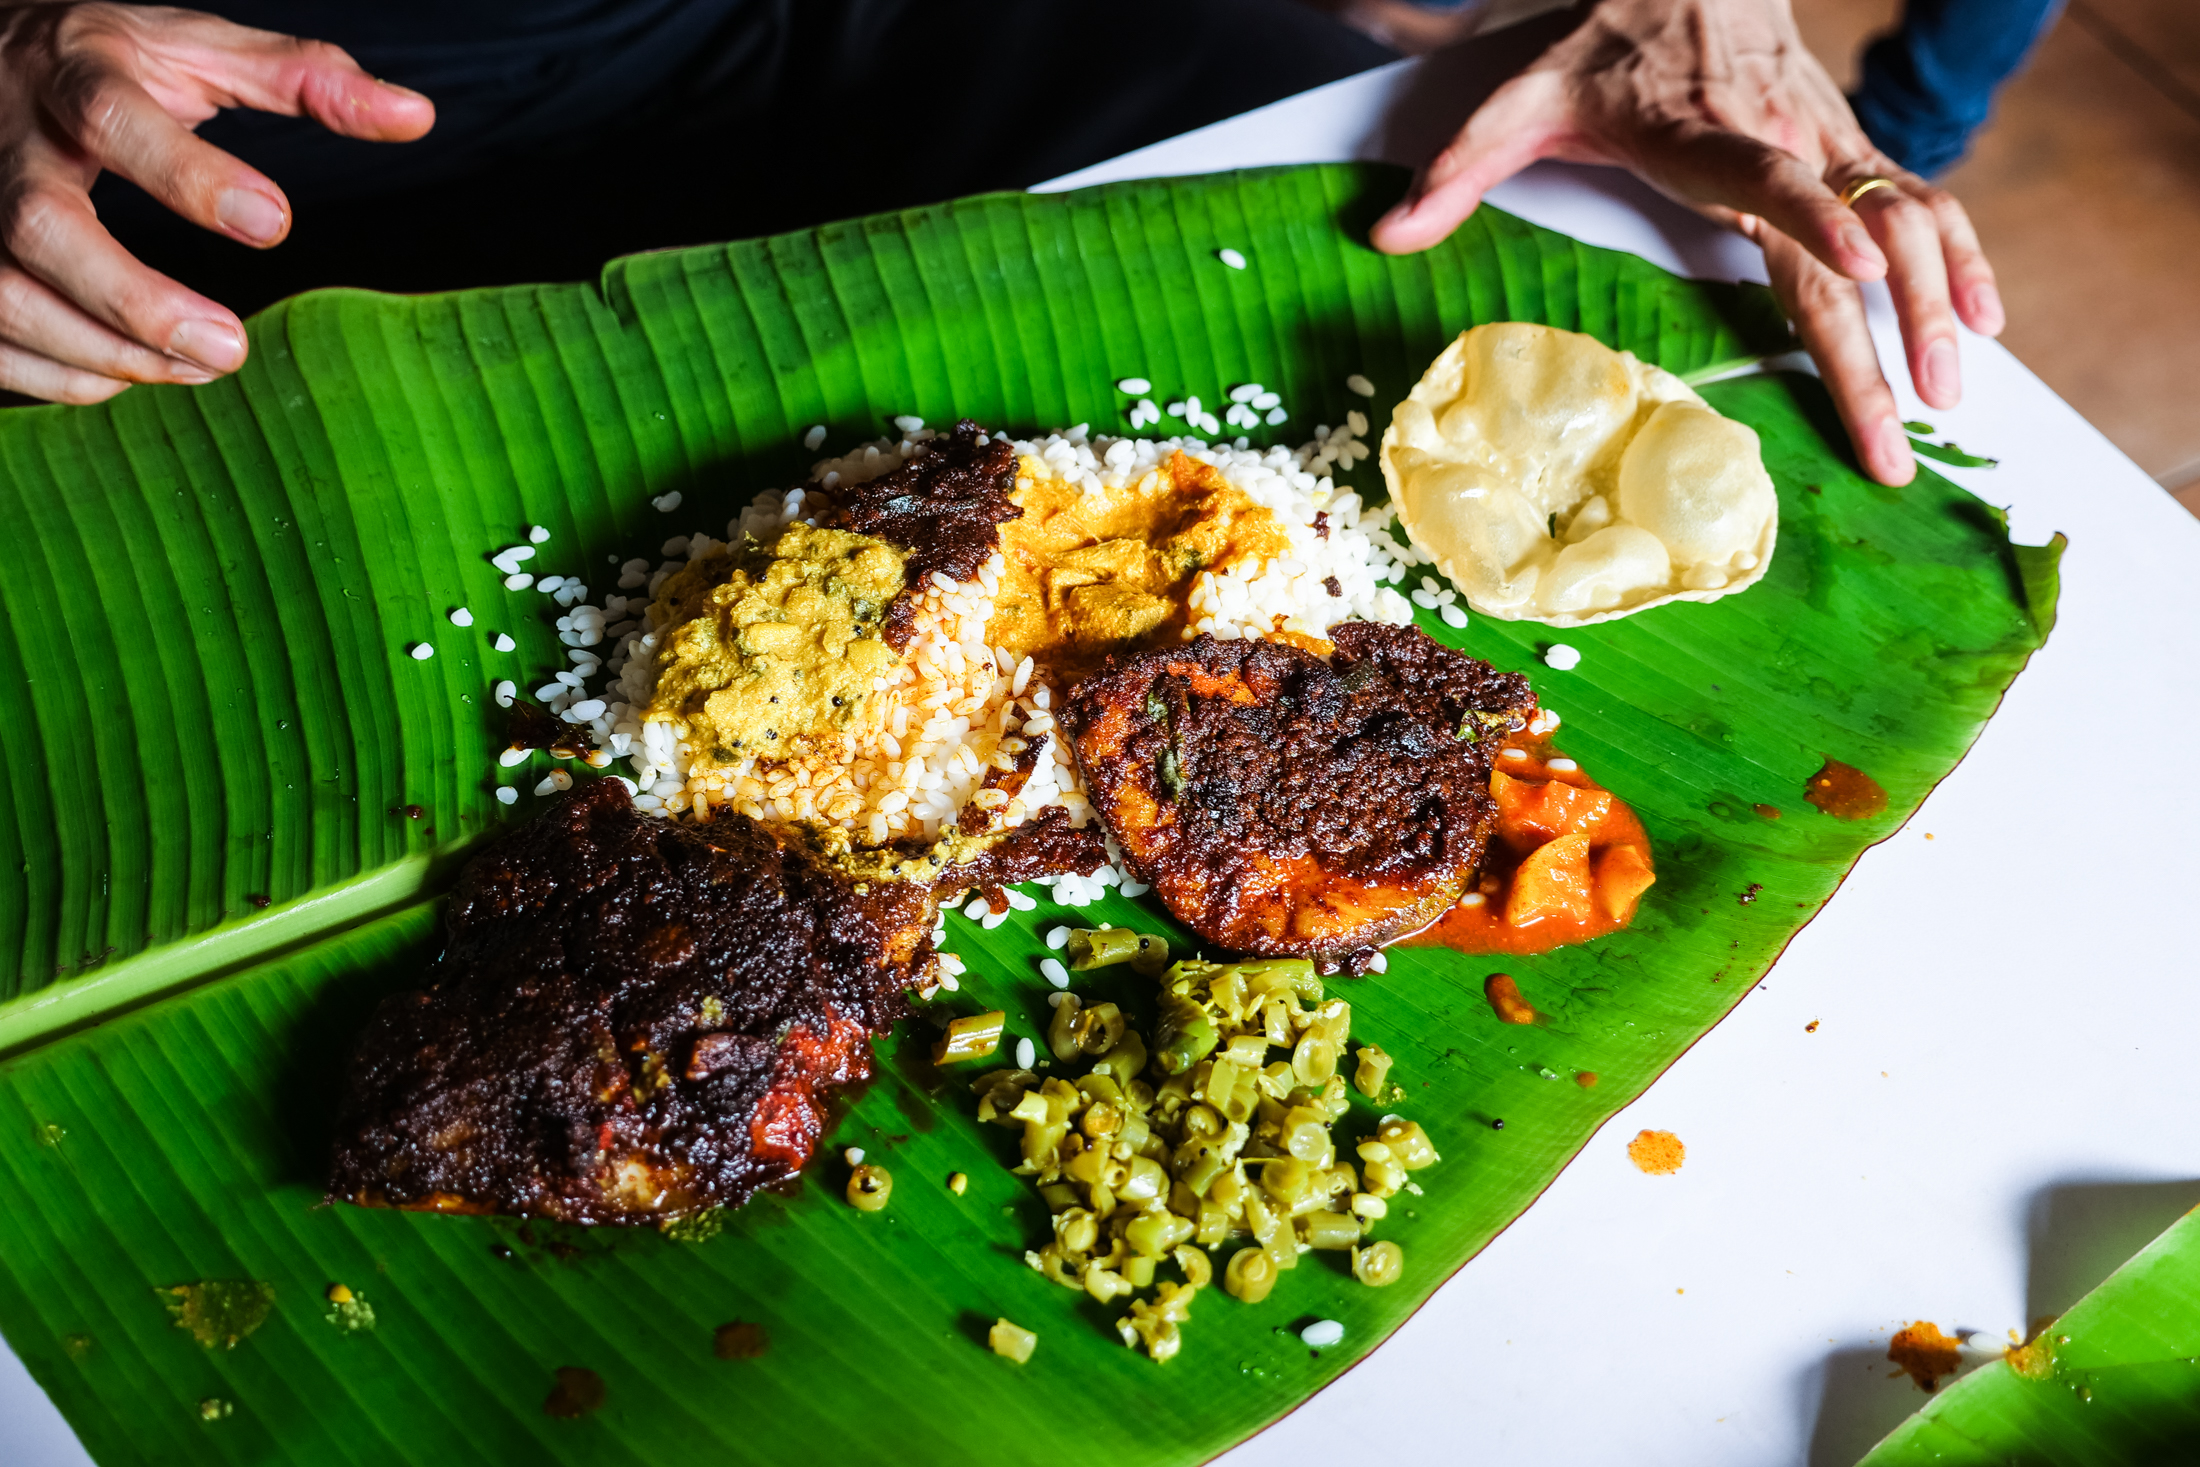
1568 861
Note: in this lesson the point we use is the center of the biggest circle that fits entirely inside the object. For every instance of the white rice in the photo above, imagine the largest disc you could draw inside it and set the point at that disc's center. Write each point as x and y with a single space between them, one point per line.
960 705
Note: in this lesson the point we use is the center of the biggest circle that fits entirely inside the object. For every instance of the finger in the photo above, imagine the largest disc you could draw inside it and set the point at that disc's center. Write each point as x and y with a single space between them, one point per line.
50 381
36 319
1828 313
1970 278
1712 166
1917 278
47 225
296 78
117 124
1518 124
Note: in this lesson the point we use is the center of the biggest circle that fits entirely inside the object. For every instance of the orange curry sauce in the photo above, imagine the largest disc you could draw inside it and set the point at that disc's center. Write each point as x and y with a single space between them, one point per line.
1568 861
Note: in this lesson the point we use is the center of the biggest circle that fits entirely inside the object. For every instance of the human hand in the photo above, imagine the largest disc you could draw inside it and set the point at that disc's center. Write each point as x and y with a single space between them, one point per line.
95 86
1718 104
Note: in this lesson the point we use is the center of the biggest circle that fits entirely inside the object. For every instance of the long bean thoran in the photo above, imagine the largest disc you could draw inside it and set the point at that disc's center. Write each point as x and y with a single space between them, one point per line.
1216 1131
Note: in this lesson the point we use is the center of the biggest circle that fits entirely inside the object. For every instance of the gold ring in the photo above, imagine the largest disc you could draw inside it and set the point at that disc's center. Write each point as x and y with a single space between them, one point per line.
1861 187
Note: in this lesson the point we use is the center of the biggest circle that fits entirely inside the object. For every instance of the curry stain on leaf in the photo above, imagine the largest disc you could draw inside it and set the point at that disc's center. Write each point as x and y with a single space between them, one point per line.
578 1393
740 1340
695 1227
219 1312
1845 792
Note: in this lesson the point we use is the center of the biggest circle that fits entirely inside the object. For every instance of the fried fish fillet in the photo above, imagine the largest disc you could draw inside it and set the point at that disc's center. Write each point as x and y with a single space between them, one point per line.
633 1019
1283 803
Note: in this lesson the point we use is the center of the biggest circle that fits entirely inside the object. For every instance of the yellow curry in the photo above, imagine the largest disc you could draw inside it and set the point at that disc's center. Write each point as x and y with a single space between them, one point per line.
1091 574
777 654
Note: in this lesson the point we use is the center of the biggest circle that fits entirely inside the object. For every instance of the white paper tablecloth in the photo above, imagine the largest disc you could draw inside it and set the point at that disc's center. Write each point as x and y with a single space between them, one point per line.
1996 1107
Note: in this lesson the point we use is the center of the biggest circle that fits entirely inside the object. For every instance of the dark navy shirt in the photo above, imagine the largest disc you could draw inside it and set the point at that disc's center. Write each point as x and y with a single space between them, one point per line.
508 77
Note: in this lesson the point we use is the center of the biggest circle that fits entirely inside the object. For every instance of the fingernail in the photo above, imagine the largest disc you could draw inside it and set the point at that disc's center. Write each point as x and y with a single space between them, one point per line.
1986 308
251 214
1891 447
190 376
1857 242
1943 374
214 345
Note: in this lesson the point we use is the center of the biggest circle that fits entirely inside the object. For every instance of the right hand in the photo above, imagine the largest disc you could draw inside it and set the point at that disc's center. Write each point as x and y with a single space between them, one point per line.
1717 103
87 87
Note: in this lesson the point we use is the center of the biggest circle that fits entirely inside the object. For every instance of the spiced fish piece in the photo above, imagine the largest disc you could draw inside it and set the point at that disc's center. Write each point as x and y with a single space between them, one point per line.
634 1019
1286 803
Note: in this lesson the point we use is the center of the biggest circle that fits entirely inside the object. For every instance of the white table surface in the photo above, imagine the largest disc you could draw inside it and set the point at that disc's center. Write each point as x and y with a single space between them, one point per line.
1996 1107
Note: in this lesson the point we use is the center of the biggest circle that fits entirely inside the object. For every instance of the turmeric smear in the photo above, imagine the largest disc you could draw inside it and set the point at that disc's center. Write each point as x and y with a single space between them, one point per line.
1504 997
2035 1358
1925 1353
1657 1152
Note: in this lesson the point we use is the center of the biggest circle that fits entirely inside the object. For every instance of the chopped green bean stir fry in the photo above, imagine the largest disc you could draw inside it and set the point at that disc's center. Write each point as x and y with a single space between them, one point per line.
972 1037
1012 1340
1104 947
1216 1133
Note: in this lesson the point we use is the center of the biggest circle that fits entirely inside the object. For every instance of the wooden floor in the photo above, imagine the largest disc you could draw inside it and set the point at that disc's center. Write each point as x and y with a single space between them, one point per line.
2086 190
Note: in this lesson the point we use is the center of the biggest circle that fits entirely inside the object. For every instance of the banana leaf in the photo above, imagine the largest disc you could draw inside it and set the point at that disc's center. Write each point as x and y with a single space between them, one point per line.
212 603
2114 1380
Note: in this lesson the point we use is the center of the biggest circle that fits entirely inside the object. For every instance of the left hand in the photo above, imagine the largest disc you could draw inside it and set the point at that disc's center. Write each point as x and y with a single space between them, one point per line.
1718 104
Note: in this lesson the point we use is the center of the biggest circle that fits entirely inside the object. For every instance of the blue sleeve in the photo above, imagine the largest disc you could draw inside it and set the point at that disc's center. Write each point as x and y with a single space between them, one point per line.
1927 87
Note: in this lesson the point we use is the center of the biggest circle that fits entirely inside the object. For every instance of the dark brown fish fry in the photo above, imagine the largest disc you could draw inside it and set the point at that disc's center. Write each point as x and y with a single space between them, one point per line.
633 1019
1284 804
